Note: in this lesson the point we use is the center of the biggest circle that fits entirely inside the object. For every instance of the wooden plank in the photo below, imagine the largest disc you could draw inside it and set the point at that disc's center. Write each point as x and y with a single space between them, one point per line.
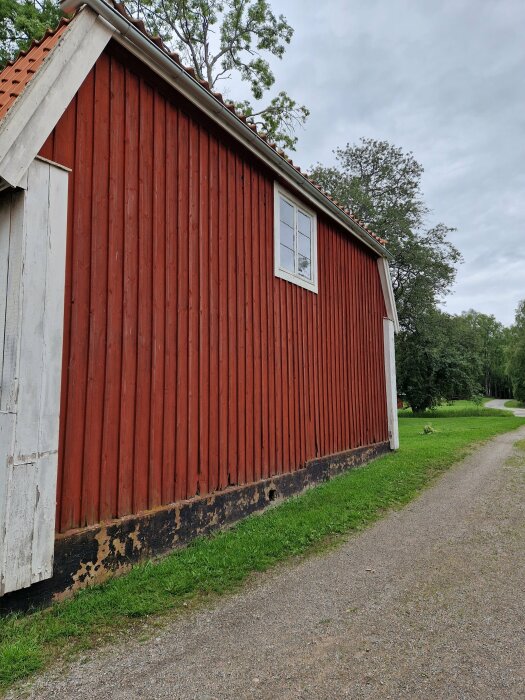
353 350
43 517
79 329
65 147
308 375
203 345
336 347
240 360
130 300
159 312
274 422
263 234
346 342
298 363
223 255
193 309
109 466
9 384
279 360
289 386
32 309
183 237
253 232
233 320
95 389
321 383
5 230
52 343
145 294
173 470
285 380
248 322
21 501
214 223
340 281
7 426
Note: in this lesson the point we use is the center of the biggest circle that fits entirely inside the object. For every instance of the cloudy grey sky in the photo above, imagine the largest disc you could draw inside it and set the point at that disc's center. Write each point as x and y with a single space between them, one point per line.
444 79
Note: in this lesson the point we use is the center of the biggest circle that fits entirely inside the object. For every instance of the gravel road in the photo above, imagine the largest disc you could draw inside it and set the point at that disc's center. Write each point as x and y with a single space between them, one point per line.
428 604
500 403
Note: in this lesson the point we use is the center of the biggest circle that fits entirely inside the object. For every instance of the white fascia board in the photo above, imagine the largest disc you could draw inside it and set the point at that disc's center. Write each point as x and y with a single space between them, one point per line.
388 292
35 113
155 58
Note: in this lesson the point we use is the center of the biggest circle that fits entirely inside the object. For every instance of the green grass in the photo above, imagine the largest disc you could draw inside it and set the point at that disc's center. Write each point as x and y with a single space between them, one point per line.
514 404
221 563
455 409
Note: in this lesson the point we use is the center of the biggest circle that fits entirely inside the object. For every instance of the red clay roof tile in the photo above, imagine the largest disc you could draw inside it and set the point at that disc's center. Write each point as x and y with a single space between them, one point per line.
18 74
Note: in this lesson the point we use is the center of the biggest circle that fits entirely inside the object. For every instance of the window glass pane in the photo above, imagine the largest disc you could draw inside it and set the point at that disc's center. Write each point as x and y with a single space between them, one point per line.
305 268
287 259
304 223
287 235
286 212
304 246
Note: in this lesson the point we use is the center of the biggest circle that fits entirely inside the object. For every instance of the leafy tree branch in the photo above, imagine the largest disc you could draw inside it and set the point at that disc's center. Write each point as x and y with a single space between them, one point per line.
221 37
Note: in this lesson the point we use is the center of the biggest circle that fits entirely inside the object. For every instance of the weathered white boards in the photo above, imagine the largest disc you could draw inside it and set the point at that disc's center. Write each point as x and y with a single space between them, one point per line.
33 225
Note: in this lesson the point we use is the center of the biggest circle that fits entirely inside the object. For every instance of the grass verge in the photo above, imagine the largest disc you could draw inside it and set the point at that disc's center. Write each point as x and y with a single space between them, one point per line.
455 409
222 562
514 404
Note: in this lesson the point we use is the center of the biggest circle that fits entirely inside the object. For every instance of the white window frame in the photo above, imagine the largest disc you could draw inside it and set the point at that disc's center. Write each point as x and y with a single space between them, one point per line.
311 285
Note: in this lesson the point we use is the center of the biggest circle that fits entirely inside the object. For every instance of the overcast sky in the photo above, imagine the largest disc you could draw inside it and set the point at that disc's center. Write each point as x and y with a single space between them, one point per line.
444 79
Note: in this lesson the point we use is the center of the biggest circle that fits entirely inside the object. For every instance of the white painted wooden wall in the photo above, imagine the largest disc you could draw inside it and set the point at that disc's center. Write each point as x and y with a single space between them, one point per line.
391 384
32 270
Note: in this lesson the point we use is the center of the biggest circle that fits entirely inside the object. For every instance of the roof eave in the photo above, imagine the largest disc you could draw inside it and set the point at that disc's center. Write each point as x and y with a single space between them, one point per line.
128 35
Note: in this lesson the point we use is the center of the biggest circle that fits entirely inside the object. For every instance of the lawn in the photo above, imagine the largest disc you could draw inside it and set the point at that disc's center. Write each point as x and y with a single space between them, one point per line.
221 563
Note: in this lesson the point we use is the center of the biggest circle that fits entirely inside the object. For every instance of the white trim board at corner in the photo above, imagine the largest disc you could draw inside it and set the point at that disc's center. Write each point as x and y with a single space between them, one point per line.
33 224
36 111
390 379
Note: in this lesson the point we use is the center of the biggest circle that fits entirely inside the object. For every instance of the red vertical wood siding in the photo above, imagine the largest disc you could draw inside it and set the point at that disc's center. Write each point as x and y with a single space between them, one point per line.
188 366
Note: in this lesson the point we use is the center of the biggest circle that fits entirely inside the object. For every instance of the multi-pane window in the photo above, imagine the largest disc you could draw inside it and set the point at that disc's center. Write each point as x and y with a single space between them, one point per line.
295 241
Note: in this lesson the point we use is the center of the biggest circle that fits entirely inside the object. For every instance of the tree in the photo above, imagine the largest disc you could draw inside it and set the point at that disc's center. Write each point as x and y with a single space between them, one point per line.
381 185
516 354
220 37
21 22
437 361
489 338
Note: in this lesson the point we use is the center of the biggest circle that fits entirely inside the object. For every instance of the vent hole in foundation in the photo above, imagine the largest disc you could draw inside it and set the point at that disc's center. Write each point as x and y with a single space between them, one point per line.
272 494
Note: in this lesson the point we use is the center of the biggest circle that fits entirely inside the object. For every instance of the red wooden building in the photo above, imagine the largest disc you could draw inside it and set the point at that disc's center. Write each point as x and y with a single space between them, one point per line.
190 326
